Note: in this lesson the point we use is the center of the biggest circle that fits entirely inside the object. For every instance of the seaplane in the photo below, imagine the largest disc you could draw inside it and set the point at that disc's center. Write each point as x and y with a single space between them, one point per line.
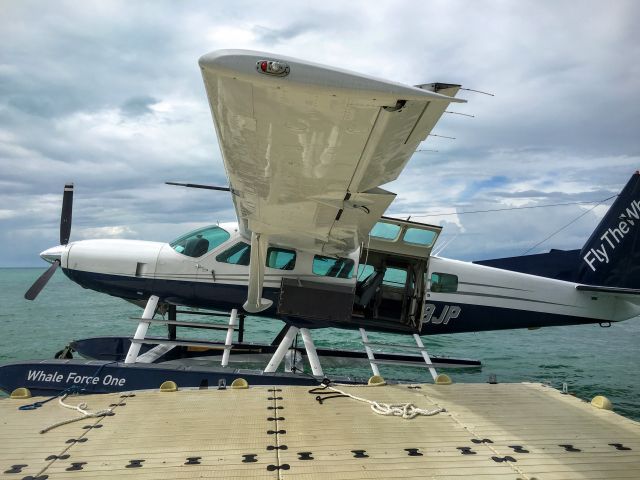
307 149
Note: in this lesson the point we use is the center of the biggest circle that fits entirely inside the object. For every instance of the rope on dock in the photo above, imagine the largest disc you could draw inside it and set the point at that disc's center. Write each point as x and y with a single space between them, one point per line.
81 407
404 410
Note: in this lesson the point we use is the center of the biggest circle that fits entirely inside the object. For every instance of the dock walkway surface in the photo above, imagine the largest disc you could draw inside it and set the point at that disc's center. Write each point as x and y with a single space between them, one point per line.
504 431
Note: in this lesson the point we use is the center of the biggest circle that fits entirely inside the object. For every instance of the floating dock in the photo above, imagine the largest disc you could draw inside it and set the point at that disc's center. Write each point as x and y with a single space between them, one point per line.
504 431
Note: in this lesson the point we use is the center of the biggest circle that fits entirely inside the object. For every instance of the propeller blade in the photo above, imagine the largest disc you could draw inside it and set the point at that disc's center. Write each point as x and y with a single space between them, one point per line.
39 284
65 218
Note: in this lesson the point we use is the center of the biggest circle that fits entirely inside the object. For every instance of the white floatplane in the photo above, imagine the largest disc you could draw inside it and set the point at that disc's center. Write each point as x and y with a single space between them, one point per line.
306 149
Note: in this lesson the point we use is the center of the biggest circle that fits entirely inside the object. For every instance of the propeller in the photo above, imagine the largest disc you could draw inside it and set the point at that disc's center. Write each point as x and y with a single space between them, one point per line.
42 280
65 217
55 253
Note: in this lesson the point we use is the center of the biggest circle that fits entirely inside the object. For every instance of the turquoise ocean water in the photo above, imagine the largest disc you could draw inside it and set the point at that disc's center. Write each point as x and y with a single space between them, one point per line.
590 359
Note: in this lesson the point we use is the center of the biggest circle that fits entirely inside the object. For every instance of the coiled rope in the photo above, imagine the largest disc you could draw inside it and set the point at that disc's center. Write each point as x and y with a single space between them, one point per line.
81 408
403 410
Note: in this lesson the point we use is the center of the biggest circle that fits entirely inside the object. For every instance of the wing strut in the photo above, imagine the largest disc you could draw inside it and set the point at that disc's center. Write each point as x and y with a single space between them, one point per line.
255 303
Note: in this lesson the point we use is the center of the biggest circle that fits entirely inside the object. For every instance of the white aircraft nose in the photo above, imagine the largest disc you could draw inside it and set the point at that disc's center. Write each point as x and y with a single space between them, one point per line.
52 254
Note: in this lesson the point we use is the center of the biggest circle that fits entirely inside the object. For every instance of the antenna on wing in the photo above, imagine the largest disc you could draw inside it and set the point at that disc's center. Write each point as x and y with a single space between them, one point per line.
441 136
478 91
427 150
458 113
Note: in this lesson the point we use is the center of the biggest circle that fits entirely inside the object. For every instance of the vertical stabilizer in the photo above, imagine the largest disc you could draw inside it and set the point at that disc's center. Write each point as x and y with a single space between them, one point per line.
611 256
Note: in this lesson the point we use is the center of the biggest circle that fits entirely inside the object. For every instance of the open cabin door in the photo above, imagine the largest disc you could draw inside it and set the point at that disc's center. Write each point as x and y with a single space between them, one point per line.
387 293
392 272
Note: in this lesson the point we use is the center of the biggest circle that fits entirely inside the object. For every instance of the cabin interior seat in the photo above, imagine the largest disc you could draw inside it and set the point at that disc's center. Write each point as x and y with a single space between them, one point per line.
196 247
367 289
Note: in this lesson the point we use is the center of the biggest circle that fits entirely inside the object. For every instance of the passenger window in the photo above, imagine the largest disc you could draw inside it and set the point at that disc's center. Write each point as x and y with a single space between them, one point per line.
332 267
444 283
239 254
385 231
201 241
395 277
418 236
281 259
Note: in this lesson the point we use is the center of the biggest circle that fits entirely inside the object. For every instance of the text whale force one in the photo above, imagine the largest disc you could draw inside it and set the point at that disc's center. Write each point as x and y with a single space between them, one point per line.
74 378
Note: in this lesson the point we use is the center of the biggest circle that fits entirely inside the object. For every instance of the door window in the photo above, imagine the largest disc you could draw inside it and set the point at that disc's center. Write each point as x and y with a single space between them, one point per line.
385 231
419 236
395 277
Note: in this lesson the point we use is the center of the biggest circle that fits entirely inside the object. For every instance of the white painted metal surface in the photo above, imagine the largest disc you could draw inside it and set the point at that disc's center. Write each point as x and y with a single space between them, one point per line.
487 286
312 355
141 331
229 338
281 351
425 355
306 153
370 356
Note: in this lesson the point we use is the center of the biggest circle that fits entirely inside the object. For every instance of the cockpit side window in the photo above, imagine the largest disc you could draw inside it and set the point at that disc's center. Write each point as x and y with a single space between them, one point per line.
201 241
239 254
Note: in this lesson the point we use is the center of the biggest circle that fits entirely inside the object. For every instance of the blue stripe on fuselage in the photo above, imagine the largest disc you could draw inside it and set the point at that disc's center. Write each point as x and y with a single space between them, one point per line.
180 292
474 318
220 296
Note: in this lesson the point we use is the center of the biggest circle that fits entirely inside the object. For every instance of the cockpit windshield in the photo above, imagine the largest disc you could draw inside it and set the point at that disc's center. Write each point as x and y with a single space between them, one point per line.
201 241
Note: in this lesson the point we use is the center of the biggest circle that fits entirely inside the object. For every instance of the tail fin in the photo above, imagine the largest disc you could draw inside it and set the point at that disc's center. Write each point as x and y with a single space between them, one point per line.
611 256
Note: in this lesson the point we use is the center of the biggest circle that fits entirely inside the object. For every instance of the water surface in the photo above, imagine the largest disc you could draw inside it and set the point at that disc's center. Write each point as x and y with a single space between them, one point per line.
590 359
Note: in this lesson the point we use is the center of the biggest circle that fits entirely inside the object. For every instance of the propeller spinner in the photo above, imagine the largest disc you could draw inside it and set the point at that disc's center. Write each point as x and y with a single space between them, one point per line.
53 255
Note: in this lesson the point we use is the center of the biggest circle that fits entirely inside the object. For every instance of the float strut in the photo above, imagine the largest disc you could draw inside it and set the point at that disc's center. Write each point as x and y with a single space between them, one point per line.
312 355
172 329
425 356
281 351
228 341
367 348
141 331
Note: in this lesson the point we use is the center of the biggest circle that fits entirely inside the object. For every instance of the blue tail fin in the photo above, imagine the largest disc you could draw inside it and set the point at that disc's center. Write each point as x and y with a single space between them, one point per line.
611 256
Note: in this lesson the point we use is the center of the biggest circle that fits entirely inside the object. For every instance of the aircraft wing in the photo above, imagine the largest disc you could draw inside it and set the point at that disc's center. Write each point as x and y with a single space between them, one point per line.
306 146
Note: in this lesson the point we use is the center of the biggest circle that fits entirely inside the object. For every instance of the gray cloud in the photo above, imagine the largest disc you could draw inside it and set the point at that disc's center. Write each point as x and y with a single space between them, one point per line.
279 35
109 95
137 106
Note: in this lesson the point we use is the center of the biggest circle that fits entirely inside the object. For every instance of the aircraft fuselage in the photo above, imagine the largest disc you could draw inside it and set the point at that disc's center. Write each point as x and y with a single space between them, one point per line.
457 296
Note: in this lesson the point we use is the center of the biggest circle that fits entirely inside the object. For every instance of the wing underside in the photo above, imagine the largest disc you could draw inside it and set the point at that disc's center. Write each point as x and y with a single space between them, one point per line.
306 153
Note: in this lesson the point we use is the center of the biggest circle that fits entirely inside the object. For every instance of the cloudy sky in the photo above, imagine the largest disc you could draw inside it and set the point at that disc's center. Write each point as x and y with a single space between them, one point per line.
109 95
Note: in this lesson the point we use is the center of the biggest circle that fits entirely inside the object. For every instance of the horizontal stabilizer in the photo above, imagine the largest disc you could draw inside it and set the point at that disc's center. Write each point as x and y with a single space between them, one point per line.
629 298
612 290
